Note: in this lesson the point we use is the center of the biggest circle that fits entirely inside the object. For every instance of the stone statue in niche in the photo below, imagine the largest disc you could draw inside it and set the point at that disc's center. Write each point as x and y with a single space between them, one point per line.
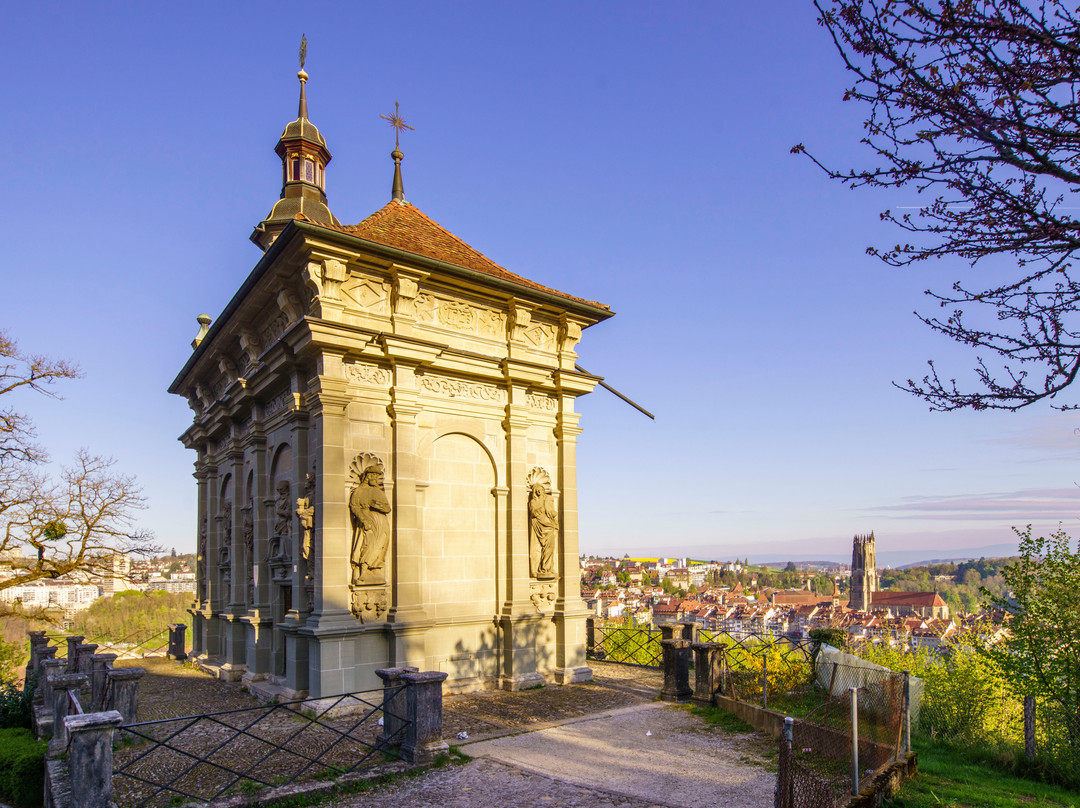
543 525
248 534
283 510
305 509
370 512
226 524
202 559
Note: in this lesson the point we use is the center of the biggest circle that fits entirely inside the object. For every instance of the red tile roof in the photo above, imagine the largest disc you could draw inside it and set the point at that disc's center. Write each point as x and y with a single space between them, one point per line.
404 227
913 599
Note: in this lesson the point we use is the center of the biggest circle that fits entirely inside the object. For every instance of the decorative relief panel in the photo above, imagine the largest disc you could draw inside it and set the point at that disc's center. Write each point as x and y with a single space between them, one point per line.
274 329
278 402
367 374
460 316
541 402
455 388
366 295
541 335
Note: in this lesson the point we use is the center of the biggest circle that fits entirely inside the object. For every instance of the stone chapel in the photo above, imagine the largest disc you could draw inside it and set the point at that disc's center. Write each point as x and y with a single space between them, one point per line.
385 435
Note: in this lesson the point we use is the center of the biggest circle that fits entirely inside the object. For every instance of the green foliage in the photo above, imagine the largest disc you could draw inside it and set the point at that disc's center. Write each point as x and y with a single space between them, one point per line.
1040 657
15 705
836 637
133 614
22 767
12 656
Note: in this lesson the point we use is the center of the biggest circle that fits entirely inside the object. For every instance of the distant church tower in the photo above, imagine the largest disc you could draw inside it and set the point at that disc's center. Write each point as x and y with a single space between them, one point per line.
863 572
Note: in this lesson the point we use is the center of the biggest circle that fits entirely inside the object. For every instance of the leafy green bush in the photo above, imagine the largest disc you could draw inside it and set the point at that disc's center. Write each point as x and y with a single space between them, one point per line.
22 767
15 705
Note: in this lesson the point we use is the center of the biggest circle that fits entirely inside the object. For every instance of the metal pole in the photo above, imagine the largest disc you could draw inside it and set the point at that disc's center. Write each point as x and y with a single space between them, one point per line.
785 775
855 741
1029 727
907 712
765 680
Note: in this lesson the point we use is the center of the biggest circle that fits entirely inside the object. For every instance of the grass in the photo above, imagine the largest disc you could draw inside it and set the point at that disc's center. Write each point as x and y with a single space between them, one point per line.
721 719
948 780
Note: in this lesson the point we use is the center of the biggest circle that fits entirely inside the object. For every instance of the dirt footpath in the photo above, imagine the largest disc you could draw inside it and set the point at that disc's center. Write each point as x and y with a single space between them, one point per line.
635 757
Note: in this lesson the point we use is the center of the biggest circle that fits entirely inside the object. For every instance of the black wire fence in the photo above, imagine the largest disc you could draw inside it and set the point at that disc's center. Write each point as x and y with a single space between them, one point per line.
202 757
137 645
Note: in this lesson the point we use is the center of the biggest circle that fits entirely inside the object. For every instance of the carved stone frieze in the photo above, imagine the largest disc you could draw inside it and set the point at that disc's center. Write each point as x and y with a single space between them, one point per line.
274 329
457 315
367 374
455 388
278 402
540 335
538 401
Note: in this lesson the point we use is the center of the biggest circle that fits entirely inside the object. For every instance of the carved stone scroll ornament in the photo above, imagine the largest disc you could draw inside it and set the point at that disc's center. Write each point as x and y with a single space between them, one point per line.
369 510
543 525
369 605
543 597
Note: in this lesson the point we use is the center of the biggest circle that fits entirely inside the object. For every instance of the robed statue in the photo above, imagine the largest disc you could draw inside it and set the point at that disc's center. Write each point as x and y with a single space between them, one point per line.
543 532
370 512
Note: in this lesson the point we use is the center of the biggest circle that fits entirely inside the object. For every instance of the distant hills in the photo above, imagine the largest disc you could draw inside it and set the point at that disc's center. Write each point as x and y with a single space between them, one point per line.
893 558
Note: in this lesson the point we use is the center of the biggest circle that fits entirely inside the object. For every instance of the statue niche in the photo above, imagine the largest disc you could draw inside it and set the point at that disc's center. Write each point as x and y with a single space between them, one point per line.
543 525
369 510
305 510
225 551
248 532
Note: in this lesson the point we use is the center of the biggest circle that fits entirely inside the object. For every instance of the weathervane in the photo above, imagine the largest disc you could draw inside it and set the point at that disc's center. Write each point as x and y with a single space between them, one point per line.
303 50
396 121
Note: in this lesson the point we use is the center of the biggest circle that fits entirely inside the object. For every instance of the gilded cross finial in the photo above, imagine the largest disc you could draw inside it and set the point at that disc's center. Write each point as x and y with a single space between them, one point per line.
303 50
396 121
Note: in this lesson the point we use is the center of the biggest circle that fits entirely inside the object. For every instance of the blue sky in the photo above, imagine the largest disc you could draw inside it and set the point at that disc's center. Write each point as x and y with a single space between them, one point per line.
634 153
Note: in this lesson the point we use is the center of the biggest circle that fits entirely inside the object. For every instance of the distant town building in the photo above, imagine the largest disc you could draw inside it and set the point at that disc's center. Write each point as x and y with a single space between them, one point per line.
864 580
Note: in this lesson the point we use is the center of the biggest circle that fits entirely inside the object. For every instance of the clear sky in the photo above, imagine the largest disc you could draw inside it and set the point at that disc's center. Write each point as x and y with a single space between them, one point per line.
628 152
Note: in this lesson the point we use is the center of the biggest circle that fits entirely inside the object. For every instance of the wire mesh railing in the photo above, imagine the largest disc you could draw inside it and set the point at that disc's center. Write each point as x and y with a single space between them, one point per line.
202 757
137 645
630 645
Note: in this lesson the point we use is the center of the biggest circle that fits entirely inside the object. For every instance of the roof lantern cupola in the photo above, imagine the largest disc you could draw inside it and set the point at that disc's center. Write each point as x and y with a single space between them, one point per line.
304 158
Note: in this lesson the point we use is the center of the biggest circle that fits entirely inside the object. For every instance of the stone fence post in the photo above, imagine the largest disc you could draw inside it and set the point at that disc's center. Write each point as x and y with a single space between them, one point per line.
61 685
83 652
72 654
45 654
423 699
124 692
706 672
590 636
91 760
50 669
784 796
38 642
676 670
394 704
689 630
177 644
100 664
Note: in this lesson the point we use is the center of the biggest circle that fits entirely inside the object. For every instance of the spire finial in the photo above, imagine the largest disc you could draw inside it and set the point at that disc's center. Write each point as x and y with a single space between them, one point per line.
302 112
396 121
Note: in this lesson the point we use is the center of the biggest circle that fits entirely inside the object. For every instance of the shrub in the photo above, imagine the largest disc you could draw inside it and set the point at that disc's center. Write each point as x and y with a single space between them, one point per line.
15 705
22 767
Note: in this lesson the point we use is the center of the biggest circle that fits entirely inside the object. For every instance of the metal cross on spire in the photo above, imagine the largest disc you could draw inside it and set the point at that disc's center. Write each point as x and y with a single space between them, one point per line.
396 121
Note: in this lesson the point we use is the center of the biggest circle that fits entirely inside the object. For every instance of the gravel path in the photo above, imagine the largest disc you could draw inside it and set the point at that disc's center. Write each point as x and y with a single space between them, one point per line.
600 761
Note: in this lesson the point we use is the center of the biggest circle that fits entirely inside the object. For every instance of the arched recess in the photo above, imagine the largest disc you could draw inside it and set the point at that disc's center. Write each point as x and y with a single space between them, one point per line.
459 529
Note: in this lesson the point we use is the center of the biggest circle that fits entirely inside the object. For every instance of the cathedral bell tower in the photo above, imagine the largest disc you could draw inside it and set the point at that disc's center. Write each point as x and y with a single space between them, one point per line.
864 580
304 158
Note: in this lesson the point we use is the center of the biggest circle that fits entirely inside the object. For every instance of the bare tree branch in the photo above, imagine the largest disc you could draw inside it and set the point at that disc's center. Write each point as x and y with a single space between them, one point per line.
975 103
